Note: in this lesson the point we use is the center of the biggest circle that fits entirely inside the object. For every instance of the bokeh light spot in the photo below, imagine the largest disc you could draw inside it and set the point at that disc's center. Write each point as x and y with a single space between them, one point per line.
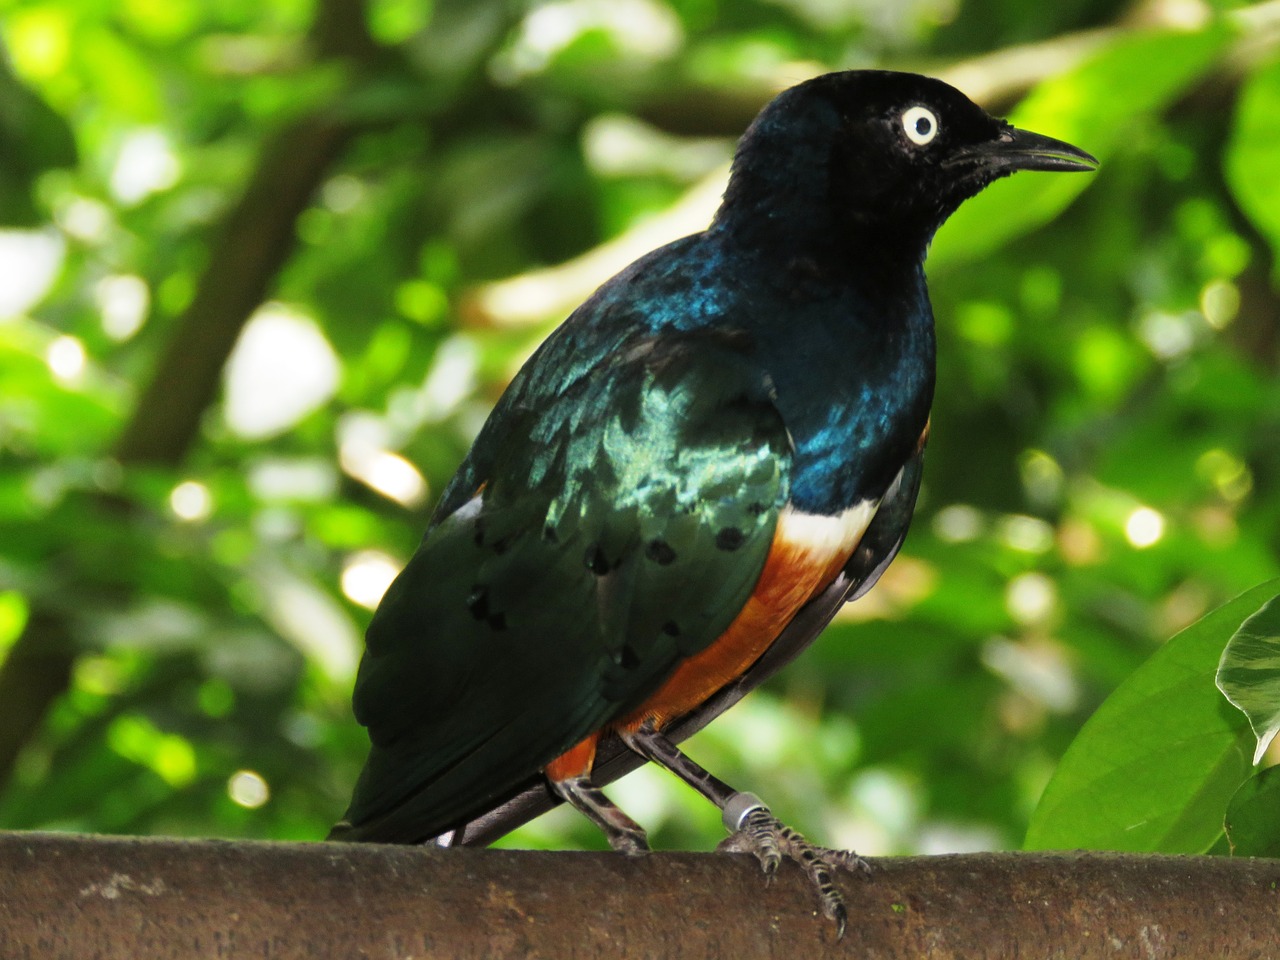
191 501
122 304
366 576
958 523
1031 598
248 788
66 359
1144 527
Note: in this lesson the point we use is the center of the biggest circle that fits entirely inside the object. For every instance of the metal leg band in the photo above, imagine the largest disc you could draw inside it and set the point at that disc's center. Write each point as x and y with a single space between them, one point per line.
735 811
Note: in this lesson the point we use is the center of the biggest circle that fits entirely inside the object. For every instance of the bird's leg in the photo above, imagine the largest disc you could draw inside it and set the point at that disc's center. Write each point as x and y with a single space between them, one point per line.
623 833
752 827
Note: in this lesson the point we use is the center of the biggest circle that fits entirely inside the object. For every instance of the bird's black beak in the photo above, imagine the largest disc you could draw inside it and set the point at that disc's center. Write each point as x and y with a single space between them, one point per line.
1018 149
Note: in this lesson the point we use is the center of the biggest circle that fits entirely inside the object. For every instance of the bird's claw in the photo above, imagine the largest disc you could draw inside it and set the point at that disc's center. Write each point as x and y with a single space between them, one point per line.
848 860
763 846
766 837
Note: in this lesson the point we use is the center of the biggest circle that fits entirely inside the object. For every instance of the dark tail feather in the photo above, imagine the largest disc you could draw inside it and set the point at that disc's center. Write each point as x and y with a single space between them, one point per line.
345 832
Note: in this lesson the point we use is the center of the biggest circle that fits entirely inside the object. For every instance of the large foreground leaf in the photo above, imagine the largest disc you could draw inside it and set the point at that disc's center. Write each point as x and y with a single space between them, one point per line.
1155 766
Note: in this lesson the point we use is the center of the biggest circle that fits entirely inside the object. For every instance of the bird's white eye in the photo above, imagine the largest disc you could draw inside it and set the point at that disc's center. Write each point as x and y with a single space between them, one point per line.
921 125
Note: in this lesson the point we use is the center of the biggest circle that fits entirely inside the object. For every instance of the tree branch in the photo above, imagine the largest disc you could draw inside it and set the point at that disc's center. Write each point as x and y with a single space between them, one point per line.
36 671
256 239
64 896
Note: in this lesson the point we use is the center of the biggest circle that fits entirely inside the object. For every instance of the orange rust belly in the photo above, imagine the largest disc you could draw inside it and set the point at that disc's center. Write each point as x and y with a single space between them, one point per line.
792 576
807 554
789 579
577 761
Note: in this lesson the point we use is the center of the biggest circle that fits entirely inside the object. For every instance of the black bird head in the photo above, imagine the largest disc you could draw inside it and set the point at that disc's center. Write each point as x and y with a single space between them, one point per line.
870 157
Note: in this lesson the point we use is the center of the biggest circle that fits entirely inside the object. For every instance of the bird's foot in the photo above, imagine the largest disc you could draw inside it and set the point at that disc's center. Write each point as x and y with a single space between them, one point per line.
757 831
623 833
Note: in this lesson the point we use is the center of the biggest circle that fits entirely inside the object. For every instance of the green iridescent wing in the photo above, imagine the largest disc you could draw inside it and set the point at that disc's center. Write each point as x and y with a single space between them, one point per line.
619 525
877 548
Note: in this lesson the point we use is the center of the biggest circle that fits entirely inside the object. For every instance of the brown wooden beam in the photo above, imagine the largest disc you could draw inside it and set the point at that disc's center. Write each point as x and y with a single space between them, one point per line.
113 898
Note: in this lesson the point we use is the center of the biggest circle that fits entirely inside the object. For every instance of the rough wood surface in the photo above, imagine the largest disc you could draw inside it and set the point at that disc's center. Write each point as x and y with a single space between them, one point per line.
65 896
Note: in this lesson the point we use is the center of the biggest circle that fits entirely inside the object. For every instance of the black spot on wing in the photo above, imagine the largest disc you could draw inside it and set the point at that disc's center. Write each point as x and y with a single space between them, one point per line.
730 538
595 560
478 604
660 552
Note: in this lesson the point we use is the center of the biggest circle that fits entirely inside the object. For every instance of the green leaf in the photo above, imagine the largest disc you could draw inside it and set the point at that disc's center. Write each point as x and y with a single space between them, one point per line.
1249 673
1097 107
1252 826
1154 767
1253 156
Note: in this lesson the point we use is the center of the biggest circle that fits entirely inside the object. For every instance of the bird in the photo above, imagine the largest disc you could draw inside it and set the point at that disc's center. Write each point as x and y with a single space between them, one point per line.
678 490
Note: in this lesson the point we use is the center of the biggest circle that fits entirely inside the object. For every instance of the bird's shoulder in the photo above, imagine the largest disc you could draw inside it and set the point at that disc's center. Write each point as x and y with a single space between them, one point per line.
681 288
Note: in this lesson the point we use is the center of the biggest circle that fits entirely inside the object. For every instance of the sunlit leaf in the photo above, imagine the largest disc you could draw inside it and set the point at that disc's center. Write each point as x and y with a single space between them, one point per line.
14 612
169 755
1249 673
121 76
1154 767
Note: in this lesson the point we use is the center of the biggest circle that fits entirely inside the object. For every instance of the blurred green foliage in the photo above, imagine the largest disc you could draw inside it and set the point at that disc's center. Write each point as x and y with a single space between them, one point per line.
1105 449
